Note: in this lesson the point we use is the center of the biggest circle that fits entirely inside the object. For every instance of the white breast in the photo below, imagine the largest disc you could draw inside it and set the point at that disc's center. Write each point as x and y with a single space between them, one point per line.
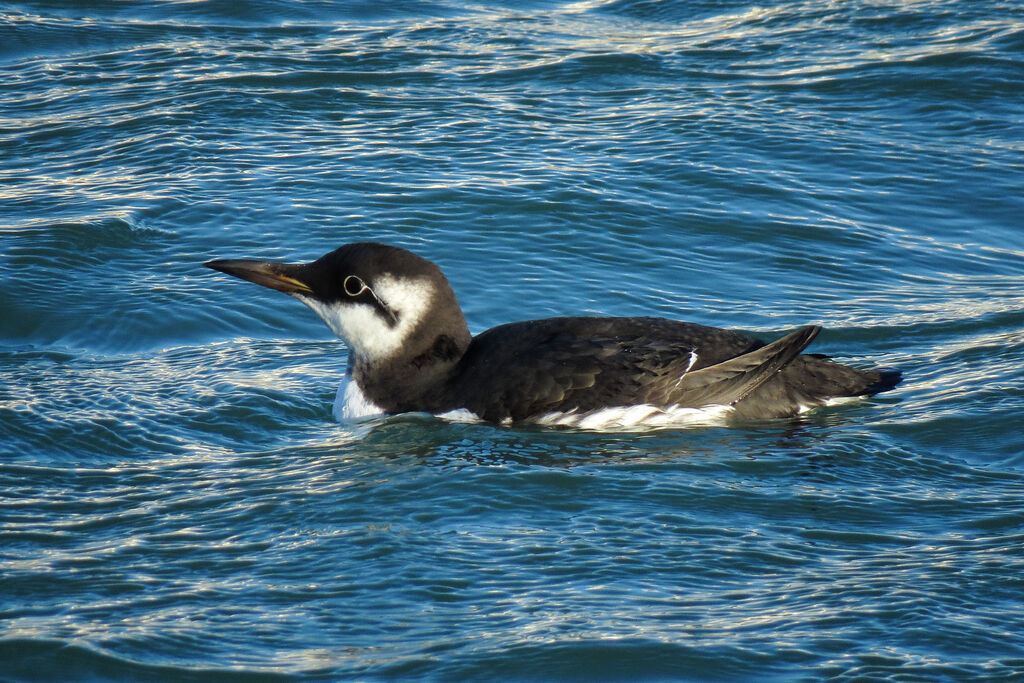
351 403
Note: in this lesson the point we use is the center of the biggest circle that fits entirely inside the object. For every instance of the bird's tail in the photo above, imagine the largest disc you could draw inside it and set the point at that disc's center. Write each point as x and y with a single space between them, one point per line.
732 381
812 380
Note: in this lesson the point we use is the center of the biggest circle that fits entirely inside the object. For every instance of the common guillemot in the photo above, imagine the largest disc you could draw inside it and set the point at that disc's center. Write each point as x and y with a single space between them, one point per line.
410 350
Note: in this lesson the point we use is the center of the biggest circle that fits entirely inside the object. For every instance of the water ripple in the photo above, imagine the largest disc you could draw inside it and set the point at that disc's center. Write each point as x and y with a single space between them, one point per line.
178 503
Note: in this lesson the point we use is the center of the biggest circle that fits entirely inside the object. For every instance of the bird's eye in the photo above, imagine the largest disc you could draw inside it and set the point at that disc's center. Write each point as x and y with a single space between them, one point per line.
354 286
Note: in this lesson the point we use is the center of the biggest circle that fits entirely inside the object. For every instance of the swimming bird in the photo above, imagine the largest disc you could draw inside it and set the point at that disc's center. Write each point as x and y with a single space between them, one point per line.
410 350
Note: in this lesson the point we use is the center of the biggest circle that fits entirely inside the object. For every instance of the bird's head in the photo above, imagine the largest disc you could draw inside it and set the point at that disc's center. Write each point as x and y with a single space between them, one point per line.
381 300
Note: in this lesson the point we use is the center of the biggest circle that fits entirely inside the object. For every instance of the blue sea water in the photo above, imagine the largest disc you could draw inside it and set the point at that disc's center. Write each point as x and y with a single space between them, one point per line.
176 502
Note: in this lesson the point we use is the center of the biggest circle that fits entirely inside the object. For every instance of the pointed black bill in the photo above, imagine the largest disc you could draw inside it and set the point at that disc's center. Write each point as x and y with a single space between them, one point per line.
284 277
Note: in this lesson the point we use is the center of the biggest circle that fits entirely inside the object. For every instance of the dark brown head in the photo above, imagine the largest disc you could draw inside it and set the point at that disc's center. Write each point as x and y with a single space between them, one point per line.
382 301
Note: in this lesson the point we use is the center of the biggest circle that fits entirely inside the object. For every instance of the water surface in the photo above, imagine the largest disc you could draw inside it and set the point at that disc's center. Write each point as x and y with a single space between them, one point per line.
176 502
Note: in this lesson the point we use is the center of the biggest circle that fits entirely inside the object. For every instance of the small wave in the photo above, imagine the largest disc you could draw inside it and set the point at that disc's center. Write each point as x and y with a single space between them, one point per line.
41 659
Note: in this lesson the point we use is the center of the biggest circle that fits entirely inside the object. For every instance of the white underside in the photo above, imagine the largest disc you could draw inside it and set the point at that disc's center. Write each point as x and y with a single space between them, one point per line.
350 403
638 416
836 401
460 415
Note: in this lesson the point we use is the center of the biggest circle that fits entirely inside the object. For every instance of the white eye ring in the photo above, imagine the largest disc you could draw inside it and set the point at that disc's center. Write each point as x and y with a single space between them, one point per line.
351 291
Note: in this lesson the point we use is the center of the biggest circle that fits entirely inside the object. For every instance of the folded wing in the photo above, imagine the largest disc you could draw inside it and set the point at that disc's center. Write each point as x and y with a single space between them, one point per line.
575 366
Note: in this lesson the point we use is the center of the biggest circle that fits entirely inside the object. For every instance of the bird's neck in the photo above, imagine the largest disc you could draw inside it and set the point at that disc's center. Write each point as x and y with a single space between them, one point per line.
415 378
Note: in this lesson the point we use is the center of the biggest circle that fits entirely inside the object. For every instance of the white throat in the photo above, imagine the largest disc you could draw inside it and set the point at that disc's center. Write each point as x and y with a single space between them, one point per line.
369 336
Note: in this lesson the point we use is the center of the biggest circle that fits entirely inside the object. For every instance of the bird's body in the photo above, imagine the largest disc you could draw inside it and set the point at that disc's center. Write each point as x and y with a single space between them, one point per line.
411 351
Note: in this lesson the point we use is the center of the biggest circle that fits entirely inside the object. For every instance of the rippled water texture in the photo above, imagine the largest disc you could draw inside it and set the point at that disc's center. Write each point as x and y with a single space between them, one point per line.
176 502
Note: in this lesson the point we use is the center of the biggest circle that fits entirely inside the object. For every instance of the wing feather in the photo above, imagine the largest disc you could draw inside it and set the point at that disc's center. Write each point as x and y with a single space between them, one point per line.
525 370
